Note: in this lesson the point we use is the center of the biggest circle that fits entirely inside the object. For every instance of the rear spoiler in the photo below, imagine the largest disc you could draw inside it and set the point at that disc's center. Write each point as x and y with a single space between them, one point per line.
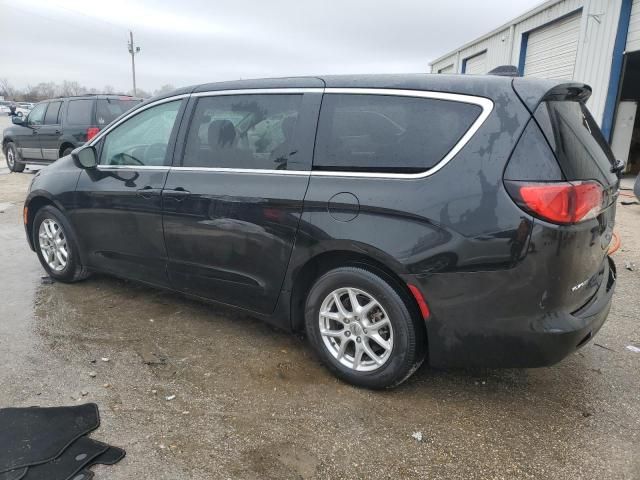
534 91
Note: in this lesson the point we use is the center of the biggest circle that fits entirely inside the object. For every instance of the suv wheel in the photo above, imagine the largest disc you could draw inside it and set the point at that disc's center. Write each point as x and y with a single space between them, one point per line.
11 154
363 330
67 151
56 247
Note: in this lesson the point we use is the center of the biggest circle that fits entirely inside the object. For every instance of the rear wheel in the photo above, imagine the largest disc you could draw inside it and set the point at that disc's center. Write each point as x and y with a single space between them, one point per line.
66 151
363 329
11 155
56 247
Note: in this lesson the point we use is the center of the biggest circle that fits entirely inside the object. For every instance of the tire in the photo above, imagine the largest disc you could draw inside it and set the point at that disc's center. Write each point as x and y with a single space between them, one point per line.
69 271
11 156
66 151
405 338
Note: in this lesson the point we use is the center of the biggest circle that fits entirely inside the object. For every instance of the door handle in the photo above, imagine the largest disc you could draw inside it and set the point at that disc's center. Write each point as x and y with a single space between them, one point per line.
178 194
148 192
58 132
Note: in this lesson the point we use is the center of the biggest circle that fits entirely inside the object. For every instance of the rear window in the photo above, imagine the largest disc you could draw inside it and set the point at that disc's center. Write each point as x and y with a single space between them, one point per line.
79 112
378 133
111 108
581 149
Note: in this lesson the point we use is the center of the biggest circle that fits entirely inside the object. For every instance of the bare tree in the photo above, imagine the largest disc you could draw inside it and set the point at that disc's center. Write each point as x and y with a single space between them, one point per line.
108 89
6 90
69 89
164 89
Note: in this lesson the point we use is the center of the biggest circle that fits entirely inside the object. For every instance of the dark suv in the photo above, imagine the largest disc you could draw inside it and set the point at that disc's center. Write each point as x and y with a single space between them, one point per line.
55 127
463 219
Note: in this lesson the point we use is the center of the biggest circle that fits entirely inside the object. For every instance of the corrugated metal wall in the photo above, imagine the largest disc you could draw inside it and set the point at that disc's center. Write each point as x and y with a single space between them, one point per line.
633 39
598 27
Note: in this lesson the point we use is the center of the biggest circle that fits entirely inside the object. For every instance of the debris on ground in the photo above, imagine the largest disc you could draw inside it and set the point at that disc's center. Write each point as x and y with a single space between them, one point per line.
632 202
633 348
602 346
93 374
630 266
170 397
46 280
105 359
84 393
152 358
417 436
155 392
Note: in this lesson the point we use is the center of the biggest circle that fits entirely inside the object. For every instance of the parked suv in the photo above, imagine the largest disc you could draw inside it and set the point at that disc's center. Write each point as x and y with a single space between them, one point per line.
55 127
462 219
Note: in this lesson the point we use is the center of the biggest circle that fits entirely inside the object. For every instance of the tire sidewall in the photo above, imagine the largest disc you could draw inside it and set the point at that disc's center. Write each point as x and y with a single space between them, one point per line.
405 352
66 151
15 167
73 263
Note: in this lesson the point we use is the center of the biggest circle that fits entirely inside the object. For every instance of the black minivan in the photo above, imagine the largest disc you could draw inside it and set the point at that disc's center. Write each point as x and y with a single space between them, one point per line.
55 127
461 219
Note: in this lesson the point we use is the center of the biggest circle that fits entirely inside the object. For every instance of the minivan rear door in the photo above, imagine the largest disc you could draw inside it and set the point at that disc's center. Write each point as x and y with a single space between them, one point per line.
233 198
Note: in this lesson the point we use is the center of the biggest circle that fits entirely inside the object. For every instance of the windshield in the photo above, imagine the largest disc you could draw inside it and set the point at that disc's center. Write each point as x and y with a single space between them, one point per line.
111 108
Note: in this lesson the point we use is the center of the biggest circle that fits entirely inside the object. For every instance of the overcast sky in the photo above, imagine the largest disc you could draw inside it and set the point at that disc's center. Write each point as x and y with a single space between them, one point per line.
196 41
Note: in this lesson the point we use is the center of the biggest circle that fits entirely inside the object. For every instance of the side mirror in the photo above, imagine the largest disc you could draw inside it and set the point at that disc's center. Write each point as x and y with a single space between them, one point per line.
18 120
85 157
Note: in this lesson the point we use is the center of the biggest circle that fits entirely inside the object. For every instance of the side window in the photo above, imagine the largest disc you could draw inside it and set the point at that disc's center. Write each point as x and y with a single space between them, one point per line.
51 117
142 139
36 116
80 112
243 131
388 133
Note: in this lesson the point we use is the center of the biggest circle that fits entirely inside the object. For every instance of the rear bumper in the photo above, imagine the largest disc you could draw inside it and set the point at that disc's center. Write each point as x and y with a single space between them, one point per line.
472 338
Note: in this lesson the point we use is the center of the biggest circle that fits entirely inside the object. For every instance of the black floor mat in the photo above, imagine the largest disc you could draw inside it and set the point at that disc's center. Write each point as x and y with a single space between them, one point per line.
84 475
112 456
74 459
14 474
31 436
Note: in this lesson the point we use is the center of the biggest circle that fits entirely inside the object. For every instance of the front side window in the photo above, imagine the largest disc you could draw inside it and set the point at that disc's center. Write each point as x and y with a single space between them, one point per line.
80 112
51 117
141 140
243 131
388 133
36 116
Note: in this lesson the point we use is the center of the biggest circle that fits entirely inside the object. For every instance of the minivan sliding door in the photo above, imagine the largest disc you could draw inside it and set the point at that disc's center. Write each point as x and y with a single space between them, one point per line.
233 198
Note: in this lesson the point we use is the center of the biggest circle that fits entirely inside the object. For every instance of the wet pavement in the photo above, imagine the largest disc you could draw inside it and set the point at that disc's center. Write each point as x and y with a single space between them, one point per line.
253 402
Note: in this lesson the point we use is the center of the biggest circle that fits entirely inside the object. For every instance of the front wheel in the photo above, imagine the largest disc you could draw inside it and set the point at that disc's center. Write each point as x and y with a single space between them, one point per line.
56 247
11 155
364 330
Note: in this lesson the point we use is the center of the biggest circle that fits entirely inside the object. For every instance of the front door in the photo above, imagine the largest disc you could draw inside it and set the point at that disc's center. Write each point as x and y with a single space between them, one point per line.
118 215
233 199
28 140
50 132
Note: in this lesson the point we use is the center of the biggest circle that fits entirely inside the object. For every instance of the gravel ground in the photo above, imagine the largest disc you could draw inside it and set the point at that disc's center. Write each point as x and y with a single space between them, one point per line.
253 402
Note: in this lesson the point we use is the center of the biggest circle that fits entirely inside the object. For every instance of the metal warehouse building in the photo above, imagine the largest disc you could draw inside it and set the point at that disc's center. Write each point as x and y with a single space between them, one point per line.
592 41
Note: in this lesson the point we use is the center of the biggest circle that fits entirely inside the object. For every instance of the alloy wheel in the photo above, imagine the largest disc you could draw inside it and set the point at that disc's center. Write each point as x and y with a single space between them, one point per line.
356 329
53 244
11 158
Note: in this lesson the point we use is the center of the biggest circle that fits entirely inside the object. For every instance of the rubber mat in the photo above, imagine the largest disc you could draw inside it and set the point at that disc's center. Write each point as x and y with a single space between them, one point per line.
14 474
112 456
84 475
31 436
73 460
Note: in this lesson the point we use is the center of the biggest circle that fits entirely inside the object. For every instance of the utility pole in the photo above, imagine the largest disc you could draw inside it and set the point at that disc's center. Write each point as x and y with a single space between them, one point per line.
133 50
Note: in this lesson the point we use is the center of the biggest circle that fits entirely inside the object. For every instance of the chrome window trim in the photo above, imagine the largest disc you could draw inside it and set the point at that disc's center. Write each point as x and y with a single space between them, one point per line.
133 167
258 91
484 103
243 170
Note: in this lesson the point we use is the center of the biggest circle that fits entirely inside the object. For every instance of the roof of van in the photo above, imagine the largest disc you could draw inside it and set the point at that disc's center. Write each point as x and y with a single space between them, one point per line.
489 86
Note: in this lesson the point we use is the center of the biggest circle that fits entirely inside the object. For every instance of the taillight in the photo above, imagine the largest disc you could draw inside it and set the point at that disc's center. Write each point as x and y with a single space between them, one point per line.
92 132
559 202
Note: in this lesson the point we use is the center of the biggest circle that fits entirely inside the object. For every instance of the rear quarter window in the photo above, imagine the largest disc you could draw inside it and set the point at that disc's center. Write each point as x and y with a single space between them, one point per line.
80 112
388 133
108 109
581 149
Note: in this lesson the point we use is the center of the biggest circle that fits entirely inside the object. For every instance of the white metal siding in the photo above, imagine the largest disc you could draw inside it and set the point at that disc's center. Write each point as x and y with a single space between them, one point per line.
476 65
633 38
448 69
551 50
